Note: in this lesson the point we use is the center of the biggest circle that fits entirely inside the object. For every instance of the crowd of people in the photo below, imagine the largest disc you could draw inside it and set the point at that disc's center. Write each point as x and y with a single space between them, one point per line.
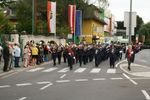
36 53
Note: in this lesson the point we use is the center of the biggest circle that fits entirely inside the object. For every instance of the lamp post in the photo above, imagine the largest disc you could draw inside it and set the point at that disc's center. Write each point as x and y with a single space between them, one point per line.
130 22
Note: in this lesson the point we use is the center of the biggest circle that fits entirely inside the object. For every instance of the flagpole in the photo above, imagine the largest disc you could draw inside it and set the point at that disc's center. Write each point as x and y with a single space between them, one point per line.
32 17
75 26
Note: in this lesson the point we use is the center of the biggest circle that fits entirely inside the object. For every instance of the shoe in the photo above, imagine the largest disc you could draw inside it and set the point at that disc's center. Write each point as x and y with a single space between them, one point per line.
129 68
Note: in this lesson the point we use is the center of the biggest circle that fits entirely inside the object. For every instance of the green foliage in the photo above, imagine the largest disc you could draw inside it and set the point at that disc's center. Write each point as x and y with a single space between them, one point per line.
4 26
23 12
145 30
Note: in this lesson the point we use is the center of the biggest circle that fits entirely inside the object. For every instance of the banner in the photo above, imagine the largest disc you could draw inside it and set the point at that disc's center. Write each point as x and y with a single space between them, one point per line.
71 18
51 16
78 22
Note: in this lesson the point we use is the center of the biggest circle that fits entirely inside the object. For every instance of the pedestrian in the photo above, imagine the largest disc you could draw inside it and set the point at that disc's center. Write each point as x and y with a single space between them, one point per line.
6 56
34 53
26 54
129 56
17 52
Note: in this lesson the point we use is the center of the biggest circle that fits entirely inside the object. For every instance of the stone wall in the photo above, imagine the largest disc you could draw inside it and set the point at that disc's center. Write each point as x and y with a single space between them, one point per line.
26 38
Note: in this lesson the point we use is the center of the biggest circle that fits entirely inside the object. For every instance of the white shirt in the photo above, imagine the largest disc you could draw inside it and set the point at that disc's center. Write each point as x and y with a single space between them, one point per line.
17 51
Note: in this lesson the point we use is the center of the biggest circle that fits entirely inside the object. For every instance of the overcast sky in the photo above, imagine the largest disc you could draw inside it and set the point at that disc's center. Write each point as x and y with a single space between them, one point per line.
118 7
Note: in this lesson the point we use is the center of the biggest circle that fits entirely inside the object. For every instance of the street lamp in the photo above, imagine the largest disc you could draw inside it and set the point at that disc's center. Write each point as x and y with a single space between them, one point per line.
130 22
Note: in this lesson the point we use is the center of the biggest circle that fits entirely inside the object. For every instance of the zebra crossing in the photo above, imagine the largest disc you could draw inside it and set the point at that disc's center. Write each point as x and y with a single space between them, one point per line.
65 70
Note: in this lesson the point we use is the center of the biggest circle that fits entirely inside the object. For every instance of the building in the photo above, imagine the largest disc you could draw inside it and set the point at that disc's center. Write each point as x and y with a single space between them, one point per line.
93 28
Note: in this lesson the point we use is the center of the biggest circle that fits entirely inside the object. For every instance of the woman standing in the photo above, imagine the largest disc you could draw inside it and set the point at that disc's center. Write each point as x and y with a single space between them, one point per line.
129 56
26 54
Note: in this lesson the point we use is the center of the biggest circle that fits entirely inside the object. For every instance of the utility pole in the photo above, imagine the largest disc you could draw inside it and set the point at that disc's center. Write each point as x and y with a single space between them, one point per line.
130 22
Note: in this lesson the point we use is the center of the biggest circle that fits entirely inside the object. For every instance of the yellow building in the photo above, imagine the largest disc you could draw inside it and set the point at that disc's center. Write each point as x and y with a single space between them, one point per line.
93 29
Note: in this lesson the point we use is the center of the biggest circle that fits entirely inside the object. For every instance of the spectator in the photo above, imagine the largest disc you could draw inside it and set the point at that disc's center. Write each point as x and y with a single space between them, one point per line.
34 52
6 56
26 54
17 52
11 49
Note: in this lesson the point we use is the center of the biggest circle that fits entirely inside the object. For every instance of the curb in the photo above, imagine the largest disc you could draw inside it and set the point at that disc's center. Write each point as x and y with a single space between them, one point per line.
140 74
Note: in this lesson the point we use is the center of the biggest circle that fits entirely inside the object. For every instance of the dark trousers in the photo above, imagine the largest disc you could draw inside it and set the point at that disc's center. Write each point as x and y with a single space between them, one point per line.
70 62
6 63
17 61
112 62
96 62
80 60
59 58
129 62
65 57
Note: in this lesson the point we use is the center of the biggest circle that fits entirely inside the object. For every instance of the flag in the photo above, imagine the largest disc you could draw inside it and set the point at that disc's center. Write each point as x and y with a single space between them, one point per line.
137 38
71 18
51 16
78 22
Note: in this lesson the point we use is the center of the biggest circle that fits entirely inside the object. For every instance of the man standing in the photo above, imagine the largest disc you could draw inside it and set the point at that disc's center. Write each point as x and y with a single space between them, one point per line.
6 56
17 52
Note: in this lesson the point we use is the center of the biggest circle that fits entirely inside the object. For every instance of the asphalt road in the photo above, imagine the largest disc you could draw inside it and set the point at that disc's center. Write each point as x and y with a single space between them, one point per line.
82 83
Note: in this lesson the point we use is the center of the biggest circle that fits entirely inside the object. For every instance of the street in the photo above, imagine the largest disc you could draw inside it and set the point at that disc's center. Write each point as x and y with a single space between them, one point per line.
46 82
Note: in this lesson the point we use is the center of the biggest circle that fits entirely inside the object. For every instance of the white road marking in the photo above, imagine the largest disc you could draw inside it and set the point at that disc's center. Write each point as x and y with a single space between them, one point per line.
119 78
95 70
143 60
5 86
147 96
34 70
23 98
63 81
120 63
62 76
111 71
64 70
99 79
46 86
43 82
50 70
135 83
81 80
80 70
24 84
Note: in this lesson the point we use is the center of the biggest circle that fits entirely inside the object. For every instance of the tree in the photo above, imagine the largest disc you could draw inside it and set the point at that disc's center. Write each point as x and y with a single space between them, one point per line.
3 23
145 30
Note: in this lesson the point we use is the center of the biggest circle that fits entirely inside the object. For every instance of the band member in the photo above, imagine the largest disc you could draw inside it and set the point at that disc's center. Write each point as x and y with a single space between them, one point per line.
70 57
112 56
54 54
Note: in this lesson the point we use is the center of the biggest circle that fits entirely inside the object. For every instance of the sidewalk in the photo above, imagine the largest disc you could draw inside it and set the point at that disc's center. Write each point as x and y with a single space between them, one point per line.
15 70
136 70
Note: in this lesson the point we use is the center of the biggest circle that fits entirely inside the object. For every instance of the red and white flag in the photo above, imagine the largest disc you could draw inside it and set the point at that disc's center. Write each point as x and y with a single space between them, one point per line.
51 16
71 18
